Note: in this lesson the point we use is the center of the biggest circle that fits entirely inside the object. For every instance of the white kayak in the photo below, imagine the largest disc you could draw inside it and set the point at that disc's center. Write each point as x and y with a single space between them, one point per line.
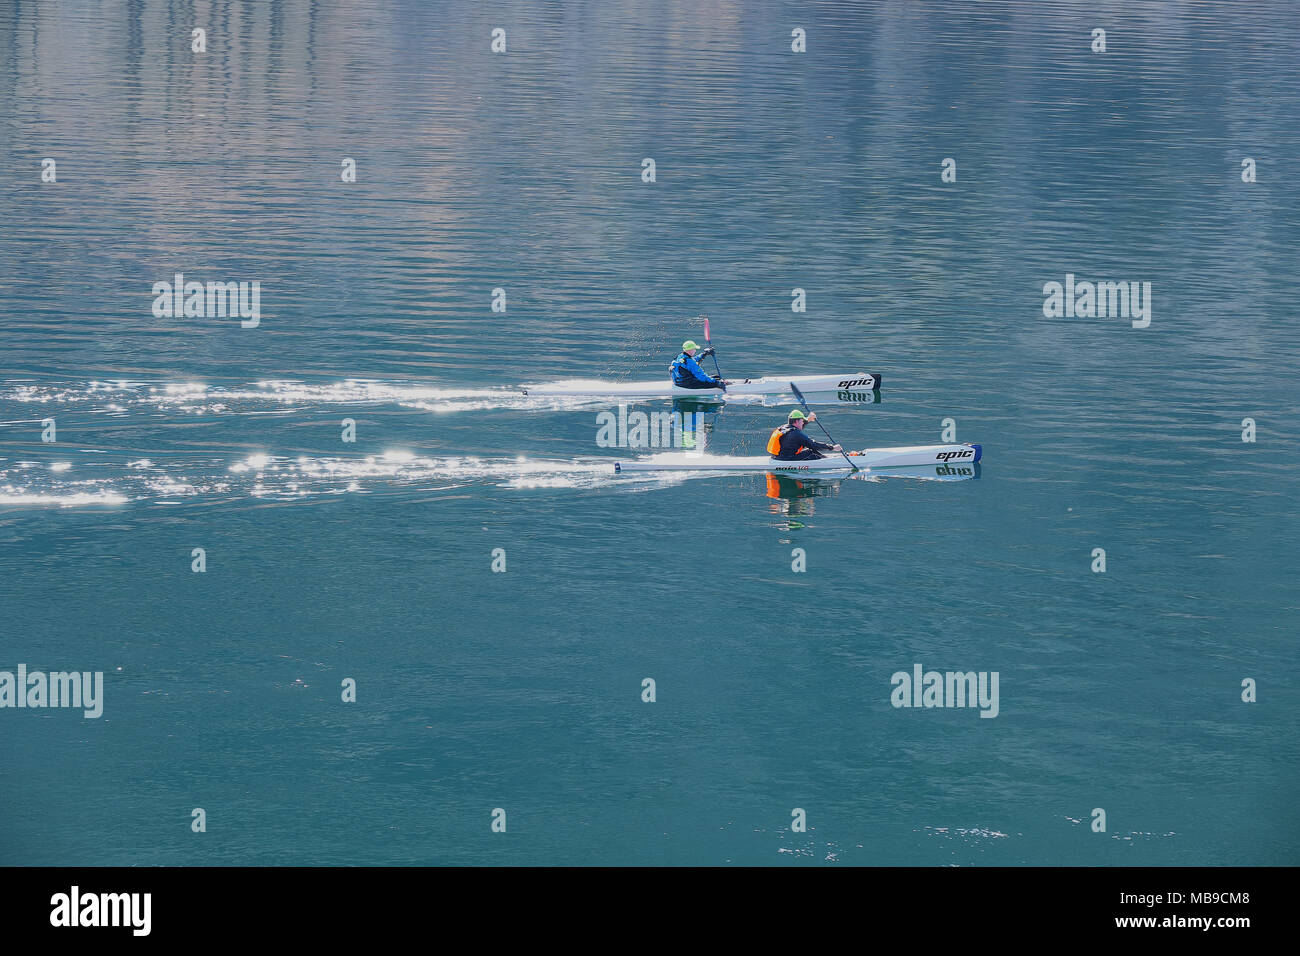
910 456
769 385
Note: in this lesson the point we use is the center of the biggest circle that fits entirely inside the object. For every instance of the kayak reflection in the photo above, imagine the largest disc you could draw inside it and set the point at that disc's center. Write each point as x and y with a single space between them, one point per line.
791 489
963 472
794 497
841 397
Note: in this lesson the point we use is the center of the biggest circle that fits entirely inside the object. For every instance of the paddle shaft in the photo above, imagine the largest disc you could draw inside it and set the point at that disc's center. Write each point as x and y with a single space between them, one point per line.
709 343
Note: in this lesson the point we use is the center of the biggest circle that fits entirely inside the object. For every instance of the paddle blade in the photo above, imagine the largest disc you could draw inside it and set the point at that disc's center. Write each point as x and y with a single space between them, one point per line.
706 331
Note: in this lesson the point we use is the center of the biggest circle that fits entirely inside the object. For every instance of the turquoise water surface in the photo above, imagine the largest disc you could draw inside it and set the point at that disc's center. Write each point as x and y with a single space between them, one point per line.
372 560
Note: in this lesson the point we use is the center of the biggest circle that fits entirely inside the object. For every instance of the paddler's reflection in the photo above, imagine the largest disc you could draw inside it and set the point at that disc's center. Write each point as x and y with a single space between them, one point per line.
793 497
792 489
695 417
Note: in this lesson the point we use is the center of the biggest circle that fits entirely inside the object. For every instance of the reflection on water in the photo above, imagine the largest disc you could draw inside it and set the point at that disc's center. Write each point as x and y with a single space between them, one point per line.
522 172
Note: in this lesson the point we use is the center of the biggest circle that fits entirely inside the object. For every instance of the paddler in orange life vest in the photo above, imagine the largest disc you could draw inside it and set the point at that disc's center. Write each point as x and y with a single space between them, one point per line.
789 443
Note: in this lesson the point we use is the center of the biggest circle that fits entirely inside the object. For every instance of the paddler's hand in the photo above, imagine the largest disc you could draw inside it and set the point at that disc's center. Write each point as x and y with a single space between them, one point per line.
812 417
836 448
706 353
722 385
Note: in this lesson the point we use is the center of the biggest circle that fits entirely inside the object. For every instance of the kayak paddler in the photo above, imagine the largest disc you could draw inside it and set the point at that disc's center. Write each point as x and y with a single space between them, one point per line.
789 443
685 372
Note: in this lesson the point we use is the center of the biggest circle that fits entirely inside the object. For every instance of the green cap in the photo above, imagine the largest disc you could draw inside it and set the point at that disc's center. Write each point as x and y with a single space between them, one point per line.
688 345
796 415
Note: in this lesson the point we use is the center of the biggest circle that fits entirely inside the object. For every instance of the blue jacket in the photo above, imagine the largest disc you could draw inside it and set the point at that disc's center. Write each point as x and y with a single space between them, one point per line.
685 368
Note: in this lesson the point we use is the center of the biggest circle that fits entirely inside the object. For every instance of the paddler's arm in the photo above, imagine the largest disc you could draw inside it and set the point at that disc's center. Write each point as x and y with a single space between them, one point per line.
817 445
693 367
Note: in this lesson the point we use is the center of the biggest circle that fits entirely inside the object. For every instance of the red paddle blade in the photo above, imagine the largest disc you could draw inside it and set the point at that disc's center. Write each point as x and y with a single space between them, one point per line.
706 332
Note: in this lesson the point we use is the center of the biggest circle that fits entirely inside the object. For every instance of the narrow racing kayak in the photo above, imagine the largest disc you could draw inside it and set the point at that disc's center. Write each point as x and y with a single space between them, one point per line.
910 456
770 385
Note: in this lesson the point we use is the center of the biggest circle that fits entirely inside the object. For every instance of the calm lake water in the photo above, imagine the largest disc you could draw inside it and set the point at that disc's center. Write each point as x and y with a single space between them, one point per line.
523 171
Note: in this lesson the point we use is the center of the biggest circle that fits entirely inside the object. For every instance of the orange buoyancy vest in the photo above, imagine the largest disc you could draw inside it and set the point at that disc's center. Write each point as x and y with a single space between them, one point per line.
774 442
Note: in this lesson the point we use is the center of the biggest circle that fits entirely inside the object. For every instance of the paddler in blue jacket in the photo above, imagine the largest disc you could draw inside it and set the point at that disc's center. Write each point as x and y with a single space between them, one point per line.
789 443
685 372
